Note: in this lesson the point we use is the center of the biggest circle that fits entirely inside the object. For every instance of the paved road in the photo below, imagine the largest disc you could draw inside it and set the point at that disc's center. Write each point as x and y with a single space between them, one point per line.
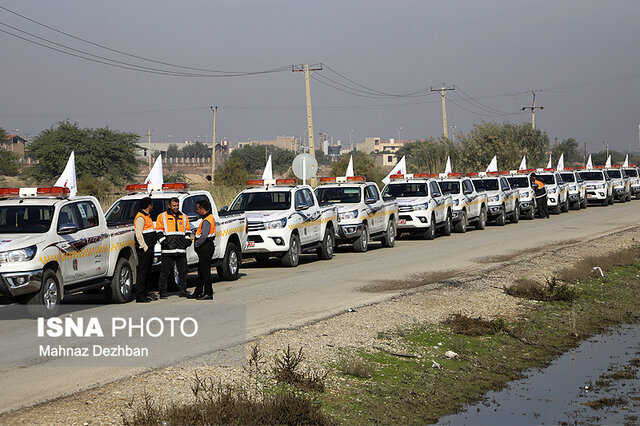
276 297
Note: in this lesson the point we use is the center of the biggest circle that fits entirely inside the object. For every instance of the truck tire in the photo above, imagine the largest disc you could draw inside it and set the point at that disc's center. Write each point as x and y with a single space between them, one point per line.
461 225
446 229
556 209
515 215
430 232
47 300
362 243
292 257
121 286
482 219
230 268
501 220
565 206
605 202
389 239
325 251
531 214
611 199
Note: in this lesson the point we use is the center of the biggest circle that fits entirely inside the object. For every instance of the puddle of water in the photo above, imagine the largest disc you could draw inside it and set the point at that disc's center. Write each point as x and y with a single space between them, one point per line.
556 394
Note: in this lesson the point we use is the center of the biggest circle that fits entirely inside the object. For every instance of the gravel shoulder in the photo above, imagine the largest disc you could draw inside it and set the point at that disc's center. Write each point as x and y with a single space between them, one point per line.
429 298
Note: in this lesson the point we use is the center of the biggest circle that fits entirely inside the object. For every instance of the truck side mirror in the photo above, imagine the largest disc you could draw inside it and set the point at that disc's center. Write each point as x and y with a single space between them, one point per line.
370 200
67 228
224 209
301 207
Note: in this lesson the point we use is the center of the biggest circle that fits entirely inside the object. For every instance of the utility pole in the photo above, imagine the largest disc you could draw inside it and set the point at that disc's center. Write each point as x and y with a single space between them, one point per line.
443 92
213 147
533 108
149 153
306 70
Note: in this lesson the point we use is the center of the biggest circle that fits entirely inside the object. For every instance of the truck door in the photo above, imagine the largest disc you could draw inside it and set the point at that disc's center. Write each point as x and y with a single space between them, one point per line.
304 214
510 203
95 258
374 205
70 242
473 208
436 195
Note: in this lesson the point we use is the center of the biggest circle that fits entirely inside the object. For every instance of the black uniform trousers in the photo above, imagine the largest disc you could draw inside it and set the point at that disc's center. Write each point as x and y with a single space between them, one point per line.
145 262
205 253
543 208
166 269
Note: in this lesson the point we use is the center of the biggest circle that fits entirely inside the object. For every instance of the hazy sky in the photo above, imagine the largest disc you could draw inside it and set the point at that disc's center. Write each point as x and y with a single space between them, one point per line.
485 48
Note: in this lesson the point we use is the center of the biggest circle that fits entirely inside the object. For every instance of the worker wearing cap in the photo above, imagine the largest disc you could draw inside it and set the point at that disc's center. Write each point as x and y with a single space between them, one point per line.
145 235
205 246
541 195
174 236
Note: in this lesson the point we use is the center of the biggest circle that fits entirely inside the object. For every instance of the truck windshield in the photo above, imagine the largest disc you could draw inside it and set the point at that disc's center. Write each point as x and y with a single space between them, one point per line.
631 172
568 177
591 175
338 195
124 211
25 219
405 189
615 174
450 187
266 200
547 179
518 181
482 185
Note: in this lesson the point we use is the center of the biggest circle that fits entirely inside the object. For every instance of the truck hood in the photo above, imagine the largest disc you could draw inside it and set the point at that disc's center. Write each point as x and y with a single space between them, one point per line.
410 201
267 215
18 241
347 207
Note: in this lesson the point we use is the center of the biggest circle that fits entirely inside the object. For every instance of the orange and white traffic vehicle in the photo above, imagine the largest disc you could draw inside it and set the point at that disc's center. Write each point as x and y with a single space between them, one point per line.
469 205
423 207
285 220
634 178
362 213
521 179
502 199
52 245
231 229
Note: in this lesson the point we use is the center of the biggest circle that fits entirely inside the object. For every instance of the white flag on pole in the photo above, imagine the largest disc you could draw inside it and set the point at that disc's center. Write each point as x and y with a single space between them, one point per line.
626 161
561 163
155 174
493 165
350 168
268 170
398 169
549 163
523 163
589 163
447 168
608 163
68 177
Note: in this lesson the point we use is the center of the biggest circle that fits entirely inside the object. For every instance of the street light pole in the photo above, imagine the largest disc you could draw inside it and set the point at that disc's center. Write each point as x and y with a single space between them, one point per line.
213 146
350 139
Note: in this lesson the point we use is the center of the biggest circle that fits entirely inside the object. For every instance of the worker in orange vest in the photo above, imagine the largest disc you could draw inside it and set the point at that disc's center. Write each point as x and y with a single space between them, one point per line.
174 236
145 235
541 196
205 246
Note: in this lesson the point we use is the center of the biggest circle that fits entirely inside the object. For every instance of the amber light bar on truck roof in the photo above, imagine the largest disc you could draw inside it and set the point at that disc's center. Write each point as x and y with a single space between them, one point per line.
53 191
156 187
271 182
522 171
413 176
343 179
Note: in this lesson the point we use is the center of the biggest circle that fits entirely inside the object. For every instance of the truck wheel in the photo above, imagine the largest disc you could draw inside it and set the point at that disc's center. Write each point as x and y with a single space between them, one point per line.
566 205
515 216
446 230
389 239
502 218
430 232
611 200
556 209
119 290
230 268
47 300
461 226
292 257
531 214
325 251
482 220
362 244
605 202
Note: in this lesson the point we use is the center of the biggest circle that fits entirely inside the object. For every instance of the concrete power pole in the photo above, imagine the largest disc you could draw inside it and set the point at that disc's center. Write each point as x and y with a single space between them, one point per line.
533 108
149 154
213 147
306 70
443 91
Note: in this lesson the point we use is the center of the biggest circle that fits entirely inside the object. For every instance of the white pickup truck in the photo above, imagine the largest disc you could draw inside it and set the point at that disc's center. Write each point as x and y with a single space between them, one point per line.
362 213
422 206
634 178
621 184
52 245
469 205
285 220
557 190
577 188
520 179
231 230
503 200
599 187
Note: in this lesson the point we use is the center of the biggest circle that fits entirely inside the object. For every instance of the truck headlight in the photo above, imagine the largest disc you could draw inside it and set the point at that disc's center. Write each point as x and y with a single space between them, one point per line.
573 188
348 215
276 224
601 186
456 202
493 198
553 190
420 207
20 255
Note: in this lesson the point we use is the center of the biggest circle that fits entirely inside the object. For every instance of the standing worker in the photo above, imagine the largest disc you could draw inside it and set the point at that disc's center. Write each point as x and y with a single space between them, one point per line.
145 244
541 196
205 245
174 236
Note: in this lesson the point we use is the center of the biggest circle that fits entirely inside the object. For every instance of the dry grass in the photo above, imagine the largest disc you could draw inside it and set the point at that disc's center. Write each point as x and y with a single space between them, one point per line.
605 402
462 324
288 369
551 291
356 367
624 374
414 282
584 269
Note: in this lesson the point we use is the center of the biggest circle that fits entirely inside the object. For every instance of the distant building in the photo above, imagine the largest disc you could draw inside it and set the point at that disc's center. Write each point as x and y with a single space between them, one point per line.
384 151
15 143
290 143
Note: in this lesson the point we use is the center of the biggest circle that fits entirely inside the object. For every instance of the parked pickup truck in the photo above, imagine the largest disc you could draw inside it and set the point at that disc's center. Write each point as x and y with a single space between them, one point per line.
557 190
634 178
599 187
577 188
469 205
362 213
231 232
503 200
52 245
520 179
621 184
422 206
285 220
